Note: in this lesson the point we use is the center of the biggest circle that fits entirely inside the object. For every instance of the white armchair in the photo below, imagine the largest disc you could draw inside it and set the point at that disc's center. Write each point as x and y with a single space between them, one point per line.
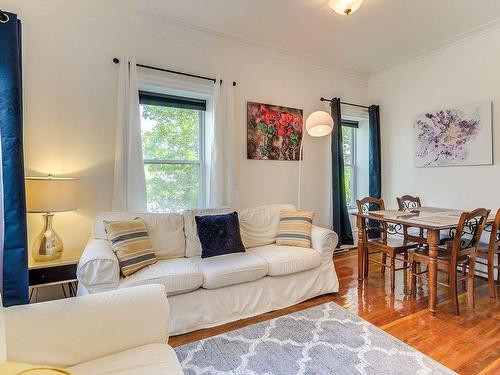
119 332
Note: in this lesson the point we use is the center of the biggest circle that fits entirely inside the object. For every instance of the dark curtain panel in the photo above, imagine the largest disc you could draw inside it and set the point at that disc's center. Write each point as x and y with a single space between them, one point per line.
14 260
374 165
341 223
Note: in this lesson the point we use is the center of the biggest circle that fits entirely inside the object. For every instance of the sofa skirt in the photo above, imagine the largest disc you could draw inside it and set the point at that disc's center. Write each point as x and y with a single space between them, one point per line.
204 308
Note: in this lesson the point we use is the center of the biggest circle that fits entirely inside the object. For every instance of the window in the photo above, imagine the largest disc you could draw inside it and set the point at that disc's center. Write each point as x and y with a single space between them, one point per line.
349 142
172 142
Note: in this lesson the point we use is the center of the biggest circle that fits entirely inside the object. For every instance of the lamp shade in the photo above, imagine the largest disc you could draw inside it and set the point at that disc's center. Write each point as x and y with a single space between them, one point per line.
345 7
50 194
319 124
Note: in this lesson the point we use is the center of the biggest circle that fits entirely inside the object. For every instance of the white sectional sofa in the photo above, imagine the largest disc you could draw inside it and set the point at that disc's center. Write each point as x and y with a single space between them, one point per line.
213 291
119 332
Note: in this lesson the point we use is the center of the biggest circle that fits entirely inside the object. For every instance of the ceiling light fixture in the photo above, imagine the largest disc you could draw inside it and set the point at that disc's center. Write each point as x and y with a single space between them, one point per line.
345 7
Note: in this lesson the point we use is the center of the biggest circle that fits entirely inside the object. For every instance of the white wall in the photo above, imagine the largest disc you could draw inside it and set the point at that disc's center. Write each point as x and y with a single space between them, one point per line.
70 95
461 74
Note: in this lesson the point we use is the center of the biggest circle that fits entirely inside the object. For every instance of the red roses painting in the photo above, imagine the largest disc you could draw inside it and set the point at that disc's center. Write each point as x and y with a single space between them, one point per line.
273 132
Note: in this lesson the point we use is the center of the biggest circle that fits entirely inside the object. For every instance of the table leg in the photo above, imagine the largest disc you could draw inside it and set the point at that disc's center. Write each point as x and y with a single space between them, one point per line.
433 242
361 250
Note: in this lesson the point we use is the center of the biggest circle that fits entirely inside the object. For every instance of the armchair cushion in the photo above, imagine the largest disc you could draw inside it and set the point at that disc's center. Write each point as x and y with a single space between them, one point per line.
16 368
66 332
148 359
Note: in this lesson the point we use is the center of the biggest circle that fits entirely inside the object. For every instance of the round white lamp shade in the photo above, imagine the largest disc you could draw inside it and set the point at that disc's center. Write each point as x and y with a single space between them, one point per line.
345 7
319 124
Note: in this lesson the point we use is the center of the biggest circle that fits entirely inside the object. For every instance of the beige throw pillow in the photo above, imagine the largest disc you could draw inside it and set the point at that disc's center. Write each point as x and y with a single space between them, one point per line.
130 242
295 228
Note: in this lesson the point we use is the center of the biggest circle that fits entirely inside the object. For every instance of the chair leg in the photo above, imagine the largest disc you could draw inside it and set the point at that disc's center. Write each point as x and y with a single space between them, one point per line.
366 264
411 279
393 273
470 283
464 274
384 260
453 290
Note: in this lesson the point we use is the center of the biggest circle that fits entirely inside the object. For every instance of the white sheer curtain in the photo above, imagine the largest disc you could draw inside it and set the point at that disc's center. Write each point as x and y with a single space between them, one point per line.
221 151
129 187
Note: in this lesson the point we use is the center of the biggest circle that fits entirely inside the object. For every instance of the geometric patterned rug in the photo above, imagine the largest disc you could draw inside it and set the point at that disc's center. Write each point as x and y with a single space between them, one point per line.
325 339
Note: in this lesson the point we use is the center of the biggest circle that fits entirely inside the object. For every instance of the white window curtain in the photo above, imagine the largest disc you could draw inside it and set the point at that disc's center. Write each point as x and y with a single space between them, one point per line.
221 151
129 187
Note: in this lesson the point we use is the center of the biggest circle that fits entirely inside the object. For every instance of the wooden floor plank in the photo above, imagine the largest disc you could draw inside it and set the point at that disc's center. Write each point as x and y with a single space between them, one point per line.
468 343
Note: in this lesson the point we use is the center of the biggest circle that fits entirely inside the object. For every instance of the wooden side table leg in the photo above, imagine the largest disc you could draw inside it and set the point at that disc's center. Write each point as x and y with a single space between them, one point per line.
433 241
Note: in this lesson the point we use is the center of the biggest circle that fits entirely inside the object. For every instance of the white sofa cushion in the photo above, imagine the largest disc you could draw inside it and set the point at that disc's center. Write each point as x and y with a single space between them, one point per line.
193 244
177 275
285 260
148 359
259 225
166 231
231 269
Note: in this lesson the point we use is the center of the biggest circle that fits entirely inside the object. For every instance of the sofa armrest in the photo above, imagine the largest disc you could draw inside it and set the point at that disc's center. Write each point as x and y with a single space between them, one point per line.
98 269
66 332
323 240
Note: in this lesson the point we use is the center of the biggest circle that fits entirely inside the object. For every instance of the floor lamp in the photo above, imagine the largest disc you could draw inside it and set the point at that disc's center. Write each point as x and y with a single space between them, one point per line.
318 124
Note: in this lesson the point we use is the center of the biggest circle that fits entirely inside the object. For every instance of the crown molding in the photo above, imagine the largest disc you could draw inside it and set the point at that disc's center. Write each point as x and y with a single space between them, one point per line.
164 27
459 44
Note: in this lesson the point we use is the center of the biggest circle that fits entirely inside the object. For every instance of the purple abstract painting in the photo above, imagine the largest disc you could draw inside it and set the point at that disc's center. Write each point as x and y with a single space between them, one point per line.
454 136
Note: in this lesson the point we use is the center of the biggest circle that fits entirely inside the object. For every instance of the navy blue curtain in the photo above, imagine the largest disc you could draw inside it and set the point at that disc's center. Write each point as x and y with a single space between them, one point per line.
14 259
374 164
341 223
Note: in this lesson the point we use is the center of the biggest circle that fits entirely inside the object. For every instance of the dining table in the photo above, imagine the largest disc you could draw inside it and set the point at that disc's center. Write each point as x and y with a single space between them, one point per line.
433 220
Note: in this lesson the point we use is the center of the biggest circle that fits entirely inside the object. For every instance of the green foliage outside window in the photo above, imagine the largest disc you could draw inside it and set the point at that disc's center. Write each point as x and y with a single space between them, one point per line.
347 134
171 134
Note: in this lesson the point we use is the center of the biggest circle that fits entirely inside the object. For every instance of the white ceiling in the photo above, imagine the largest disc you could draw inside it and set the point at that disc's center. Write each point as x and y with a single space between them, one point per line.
381 32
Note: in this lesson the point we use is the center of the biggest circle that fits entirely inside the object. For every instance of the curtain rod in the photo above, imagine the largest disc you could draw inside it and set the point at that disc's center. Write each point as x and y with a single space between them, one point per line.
346 103
117 61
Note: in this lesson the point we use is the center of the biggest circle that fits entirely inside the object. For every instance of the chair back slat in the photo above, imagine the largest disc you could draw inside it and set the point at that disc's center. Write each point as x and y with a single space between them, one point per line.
373 228
408 203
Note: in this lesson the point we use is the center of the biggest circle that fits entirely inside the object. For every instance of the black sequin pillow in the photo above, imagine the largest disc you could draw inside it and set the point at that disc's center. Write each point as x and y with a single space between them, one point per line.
219 234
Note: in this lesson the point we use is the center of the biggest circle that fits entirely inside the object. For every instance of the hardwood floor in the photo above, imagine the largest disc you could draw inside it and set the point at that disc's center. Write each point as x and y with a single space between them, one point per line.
468 343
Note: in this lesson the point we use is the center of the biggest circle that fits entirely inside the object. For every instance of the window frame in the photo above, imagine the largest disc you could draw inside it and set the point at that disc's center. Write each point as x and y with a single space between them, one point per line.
352 163
200 162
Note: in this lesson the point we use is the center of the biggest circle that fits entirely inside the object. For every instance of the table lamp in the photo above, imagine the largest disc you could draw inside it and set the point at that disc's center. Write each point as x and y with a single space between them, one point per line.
47 195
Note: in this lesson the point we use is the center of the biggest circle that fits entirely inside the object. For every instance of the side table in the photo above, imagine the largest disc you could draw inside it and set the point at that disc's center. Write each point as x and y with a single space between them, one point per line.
60 271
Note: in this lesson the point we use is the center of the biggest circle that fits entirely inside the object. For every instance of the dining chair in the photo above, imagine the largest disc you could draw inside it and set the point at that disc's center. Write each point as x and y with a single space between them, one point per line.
408 203
376 240
461 251
486 255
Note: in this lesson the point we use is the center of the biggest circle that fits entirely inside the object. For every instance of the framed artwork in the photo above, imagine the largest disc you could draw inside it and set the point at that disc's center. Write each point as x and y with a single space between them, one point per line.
273 132
454 136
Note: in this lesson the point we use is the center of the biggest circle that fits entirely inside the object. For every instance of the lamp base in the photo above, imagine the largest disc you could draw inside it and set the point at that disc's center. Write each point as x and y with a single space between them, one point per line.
47 245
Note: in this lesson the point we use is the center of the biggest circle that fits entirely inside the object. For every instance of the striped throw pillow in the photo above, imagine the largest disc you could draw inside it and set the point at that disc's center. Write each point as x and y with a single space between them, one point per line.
295 228
130 242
